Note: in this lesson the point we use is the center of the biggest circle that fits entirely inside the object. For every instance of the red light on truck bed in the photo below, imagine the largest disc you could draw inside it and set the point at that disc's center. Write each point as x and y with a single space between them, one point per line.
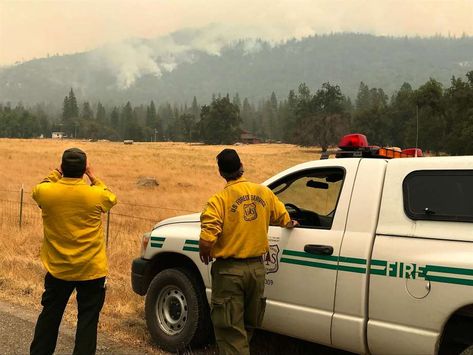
353 141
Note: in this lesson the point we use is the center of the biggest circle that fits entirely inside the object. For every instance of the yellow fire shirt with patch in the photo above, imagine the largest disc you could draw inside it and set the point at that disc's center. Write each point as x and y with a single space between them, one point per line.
237 219
73 246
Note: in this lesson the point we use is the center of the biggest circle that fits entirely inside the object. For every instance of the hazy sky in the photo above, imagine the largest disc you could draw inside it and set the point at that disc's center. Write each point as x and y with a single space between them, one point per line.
34 28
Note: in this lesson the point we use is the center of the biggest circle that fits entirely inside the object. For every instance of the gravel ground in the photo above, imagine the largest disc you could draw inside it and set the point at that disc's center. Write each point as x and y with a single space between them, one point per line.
16 333
17 326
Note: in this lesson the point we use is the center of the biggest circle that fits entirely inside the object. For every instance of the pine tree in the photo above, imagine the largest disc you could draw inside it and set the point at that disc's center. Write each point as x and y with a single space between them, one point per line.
459 116
101 114
70 114
65 109
195 110
126 121
321 118
166 118
115 118
220 122
151 116
247 115
432 119
86 112
73 107
236 101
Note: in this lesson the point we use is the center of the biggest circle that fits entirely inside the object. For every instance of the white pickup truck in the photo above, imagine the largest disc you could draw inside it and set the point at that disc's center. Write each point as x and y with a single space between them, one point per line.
382 262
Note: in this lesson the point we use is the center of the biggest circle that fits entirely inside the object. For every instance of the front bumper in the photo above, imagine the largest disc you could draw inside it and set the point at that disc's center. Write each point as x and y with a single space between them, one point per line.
140 275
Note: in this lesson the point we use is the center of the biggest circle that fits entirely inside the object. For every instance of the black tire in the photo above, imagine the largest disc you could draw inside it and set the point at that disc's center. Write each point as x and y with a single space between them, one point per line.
177 311
467 351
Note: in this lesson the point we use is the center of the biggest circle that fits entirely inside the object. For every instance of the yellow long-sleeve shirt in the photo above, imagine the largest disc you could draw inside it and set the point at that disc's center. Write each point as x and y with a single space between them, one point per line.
73 247
237 219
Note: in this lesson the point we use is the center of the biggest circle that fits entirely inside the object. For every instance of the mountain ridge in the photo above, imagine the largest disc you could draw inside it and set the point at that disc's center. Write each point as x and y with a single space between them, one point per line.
200 63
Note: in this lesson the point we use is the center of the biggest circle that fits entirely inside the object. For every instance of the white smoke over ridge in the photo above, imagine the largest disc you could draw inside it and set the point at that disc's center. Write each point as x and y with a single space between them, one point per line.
128 60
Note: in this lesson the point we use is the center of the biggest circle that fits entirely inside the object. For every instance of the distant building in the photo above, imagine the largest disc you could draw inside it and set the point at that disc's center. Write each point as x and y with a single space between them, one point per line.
57 135
249 138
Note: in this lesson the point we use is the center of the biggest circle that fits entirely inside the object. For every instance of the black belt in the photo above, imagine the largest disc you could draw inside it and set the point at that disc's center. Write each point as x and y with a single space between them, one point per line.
255 258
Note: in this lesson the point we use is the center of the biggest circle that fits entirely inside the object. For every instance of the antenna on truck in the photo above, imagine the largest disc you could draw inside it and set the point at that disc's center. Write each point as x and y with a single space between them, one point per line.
417 128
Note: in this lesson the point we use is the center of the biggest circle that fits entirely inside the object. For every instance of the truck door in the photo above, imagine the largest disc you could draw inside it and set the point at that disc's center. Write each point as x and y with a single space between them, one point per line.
302 263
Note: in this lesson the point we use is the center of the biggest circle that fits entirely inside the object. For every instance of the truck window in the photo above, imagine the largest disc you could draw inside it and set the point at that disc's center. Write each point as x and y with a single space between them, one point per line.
439 195
311 196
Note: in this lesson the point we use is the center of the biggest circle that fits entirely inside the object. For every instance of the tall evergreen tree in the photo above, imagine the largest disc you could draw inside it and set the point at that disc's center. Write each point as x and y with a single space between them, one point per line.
166 114
371 113
220 122
289 120
432 129
195 110
151 116
187 123
73 106
115 118
101 115
70 114
65 109
401 116
321 118
247 115
126 121
237 101
86 112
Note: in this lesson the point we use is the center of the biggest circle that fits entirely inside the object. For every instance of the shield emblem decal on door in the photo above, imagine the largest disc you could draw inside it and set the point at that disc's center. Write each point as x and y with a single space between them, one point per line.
271 261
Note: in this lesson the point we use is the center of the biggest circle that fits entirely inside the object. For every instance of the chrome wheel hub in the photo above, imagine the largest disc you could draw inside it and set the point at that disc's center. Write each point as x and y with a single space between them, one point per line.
171 310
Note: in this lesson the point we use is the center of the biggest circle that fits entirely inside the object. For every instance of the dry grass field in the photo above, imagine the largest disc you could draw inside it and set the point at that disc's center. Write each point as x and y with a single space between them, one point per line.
187 176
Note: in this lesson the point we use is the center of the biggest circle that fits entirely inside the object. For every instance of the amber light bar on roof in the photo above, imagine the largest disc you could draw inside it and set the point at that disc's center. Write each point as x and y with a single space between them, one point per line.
394 153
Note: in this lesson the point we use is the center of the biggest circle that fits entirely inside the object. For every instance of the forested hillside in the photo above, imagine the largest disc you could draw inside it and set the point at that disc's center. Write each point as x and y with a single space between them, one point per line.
145 70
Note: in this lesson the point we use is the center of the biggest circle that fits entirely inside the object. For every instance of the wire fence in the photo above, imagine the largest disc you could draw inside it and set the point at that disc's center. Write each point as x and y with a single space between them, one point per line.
18 208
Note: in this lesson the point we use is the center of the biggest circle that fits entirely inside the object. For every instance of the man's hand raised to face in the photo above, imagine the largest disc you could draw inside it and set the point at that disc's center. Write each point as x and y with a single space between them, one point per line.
90 173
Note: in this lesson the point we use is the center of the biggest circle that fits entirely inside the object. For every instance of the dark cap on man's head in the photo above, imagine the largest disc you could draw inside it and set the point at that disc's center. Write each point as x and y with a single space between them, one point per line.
228 161
74 163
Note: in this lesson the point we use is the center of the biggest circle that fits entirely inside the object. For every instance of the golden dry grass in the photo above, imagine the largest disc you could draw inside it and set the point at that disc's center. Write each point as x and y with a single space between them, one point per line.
187 176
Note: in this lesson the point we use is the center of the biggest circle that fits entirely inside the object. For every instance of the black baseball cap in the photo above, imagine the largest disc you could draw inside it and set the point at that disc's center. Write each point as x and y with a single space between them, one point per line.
228 161
74 162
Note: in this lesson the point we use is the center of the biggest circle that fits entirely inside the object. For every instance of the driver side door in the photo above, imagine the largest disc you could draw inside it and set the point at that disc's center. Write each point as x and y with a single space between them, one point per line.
303 262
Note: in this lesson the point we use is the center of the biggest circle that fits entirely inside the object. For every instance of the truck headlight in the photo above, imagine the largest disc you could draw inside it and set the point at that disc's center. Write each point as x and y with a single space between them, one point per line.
144 242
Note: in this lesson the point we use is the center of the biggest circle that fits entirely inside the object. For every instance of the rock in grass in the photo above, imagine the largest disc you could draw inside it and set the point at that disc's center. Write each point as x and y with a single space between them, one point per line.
146 181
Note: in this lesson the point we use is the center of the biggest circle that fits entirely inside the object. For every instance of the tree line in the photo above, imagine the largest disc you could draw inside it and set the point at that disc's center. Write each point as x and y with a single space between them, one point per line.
434 117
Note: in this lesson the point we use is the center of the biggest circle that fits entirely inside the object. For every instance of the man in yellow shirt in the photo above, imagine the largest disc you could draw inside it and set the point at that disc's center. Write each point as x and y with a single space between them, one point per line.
234 231
73 251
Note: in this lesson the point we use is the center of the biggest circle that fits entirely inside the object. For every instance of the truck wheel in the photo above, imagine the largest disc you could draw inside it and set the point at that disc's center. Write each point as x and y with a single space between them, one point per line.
177 311
467 351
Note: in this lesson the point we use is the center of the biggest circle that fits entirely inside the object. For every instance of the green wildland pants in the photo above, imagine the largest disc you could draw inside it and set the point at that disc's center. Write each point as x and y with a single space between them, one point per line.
237 305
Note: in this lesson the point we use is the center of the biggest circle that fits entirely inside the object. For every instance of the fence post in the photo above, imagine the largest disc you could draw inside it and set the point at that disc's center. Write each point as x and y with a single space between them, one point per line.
21 206
108 228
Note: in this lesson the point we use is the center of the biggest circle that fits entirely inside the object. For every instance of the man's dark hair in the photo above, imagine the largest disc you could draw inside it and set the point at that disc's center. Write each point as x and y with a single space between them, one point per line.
229 164
74 163
233 176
